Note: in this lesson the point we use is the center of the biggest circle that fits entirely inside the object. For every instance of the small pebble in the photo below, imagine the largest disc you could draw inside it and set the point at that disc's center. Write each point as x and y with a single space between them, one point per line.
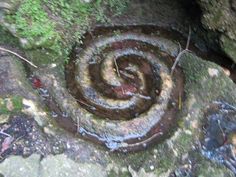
54 115
226 71
213 72
65 114
151 167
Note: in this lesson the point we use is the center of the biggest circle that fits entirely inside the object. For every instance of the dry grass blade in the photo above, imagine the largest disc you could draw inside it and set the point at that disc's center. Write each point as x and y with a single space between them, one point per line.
22 58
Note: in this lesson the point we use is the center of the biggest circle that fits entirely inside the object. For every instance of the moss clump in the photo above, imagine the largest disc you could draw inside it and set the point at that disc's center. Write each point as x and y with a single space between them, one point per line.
198 79
52 27
79 15
33 24
10 104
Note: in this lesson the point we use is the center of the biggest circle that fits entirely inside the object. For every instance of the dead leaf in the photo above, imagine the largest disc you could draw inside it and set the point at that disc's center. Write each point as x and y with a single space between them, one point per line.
6 143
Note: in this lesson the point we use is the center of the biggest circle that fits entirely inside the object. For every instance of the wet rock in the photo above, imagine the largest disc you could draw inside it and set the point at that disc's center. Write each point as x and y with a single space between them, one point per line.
61 166
4 118
51 166
13 78
27 138
16 93
16 166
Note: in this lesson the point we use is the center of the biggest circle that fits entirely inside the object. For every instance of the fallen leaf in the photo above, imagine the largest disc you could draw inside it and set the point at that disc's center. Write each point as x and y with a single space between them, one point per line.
36 83
6 143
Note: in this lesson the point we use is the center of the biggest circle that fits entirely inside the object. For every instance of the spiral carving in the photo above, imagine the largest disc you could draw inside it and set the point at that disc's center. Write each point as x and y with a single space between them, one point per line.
120 79
125 94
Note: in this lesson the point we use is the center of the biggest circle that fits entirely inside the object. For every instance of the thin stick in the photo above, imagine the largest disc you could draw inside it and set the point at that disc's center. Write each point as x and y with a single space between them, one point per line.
180 101
189 37
92 107
232 153
222 131
177 59
117 68
186 50
180 48
9 51
78 124
139 95
6 134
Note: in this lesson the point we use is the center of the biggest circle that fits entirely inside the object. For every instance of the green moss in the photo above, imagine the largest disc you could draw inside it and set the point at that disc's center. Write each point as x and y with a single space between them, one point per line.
52 27
198 79
184 142
76 13
32 23
165 163
10 104
17 102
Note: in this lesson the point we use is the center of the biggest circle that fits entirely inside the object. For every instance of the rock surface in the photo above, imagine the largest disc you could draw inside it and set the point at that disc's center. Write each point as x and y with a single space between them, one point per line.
56 152
220 16
81 157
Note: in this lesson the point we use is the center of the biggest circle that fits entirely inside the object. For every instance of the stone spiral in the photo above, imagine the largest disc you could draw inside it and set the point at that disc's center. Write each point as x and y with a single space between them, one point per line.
121 92
125 94
118 91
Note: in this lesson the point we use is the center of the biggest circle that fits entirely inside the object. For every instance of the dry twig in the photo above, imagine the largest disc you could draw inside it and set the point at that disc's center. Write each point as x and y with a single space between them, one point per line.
22 58
5 134
186 50
117 68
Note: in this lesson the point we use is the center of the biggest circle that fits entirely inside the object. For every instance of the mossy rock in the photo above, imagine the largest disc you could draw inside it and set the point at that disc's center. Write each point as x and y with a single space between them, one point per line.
11 104
229 47
219 16
51 28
